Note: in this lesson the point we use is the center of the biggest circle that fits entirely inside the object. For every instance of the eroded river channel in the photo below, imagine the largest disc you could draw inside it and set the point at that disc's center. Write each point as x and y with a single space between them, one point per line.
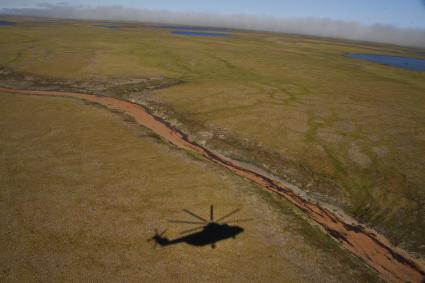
392 263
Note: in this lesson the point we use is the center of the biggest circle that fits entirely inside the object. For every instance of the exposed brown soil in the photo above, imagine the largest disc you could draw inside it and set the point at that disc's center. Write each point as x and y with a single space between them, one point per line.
393 264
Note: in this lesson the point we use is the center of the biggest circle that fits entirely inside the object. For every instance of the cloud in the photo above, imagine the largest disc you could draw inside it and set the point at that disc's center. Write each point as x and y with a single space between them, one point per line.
307 26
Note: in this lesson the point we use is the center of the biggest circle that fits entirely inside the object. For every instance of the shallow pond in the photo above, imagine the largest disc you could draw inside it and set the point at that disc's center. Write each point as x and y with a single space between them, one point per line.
199 33
408 63
6 23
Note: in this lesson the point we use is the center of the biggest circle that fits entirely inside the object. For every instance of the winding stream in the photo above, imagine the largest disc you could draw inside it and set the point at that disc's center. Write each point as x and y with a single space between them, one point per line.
390 262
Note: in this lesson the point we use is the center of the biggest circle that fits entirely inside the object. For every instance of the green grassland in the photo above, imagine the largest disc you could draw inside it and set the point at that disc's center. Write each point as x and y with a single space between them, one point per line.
83 188
349 132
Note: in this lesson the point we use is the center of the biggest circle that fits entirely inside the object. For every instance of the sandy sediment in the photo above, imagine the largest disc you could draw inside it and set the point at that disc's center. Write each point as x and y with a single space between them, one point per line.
392 263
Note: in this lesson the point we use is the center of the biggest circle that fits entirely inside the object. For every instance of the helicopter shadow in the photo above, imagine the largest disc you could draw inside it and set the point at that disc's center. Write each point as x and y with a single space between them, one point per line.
207 232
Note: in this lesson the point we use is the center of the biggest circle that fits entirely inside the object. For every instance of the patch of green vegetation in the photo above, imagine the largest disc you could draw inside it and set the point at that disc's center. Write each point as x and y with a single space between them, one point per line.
196 156
123 91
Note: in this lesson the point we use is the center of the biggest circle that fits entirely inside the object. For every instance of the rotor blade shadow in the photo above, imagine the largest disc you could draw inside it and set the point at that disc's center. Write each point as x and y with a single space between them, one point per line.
186 222
228 214
195 215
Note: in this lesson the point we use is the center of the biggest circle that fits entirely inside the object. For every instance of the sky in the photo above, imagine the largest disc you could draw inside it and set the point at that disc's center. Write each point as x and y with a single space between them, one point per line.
390 21
401 13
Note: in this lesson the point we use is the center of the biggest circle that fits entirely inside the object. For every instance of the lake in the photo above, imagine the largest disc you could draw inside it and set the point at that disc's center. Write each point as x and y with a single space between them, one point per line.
408 63
192 28
6 23
199 33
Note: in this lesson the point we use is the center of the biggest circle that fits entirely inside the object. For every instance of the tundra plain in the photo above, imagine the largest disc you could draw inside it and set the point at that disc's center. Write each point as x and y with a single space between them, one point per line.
84 188
347 132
